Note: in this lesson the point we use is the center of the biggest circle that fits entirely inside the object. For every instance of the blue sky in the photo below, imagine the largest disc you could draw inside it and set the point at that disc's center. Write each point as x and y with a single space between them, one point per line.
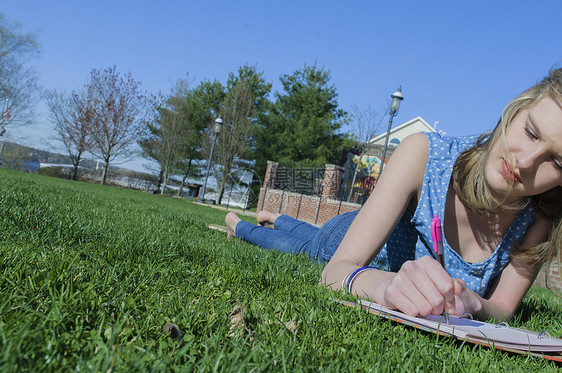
462 61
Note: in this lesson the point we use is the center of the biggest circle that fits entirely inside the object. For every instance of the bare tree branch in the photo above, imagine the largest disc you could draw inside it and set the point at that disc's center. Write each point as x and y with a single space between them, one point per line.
238 111
18 82
73 118
122 111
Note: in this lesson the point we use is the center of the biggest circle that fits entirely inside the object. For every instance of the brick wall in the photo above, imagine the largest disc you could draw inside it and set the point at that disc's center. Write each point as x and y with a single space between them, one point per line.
314 209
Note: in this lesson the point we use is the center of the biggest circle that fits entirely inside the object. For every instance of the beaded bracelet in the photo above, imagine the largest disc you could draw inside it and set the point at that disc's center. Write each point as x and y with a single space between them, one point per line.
348 280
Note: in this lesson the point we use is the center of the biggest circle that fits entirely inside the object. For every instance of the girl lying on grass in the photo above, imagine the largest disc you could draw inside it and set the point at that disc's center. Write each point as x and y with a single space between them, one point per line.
499 197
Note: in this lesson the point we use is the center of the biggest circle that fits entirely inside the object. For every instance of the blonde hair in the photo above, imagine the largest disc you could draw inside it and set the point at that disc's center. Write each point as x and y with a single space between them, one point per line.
472 188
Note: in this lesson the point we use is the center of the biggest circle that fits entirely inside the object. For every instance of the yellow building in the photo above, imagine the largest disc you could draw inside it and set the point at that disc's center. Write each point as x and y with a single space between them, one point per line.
369 167
399 133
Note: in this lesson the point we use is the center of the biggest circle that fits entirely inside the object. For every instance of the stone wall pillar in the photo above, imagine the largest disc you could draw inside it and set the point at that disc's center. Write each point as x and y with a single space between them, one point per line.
268 183
270 174
332 181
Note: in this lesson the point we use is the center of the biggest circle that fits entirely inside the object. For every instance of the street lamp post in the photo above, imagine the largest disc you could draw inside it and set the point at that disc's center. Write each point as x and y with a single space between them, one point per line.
5 117
394 106
2 132
217 129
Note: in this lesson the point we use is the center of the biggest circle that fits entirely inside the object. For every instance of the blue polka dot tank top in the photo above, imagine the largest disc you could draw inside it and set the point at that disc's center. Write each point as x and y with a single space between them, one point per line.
411 238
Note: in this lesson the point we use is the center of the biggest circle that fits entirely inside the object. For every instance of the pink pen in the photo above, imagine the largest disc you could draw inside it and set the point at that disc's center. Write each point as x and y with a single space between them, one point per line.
437 238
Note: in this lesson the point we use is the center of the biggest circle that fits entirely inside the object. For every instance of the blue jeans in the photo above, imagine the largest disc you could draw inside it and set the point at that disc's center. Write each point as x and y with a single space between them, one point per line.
294 236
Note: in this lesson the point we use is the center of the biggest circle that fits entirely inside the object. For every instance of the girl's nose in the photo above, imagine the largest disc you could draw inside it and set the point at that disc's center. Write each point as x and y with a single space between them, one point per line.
530 157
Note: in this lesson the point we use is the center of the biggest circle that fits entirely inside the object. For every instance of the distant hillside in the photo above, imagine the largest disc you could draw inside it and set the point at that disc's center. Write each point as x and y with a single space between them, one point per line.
27 159
21 157
15 154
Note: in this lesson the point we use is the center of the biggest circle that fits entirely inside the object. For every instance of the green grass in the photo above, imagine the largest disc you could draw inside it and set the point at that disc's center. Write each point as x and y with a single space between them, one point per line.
90 274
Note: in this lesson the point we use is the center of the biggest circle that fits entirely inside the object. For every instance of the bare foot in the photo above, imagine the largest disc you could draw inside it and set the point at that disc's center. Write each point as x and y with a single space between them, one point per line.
231 219
267 218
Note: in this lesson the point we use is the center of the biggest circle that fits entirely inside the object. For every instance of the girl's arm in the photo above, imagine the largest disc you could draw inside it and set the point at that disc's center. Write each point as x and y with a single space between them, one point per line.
509 288
421 286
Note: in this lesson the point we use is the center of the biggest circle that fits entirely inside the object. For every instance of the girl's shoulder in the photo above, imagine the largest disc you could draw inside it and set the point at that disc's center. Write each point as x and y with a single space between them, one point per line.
441 146
415 143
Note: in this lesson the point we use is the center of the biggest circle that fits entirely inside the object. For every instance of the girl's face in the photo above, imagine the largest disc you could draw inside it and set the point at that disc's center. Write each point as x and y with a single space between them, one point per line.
533 163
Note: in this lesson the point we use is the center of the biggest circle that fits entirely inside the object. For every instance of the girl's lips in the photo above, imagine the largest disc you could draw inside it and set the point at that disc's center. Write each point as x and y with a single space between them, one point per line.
508 174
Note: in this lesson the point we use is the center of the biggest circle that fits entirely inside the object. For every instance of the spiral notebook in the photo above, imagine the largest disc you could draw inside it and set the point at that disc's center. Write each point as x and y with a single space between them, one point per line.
500 336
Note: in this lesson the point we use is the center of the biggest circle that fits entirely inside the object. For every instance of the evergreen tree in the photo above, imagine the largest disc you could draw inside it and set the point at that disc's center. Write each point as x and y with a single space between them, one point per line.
303 124
255 82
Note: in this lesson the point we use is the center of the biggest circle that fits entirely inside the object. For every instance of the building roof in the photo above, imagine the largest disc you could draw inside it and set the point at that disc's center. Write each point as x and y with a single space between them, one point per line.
418 124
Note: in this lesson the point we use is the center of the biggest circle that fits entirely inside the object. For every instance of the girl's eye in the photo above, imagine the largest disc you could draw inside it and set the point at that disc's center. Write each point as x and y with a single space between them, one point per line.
530 133
557 164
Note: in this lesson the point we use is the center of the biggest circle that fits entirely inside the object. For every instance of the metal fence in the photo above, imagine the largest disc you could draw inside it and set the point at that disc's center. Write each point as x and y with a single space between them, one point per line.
311 181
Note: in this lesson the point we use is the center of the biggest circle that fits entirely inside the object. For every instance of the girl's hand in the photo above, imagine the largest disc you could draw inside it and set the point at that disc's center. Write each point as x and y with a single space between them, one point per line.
423 287
465 299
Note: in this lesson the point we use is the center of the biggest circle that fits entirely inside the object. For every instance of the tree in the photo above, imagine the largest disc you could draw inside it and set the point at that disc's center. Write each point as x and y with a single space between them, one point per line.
202 104
122 112
365 127
148 142
18 82
302 125
174 138
163 144
238 114
246 95
256 84
73 118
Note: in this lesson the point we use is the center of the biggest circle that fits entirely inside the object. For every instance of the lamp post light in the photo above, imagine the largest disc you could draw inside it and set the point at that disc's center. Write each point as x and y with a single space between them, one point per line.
394 106
217 129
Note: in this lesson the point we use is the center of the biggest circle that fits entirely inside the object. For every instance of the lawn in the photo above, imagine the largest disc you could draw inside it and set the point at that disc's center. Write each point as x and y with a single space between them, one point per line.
91 276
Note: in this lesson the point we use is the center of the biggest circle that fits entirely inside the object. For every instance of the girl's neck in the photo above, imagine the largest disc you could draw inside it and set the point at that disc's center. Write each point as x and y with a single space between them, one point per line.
474 237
